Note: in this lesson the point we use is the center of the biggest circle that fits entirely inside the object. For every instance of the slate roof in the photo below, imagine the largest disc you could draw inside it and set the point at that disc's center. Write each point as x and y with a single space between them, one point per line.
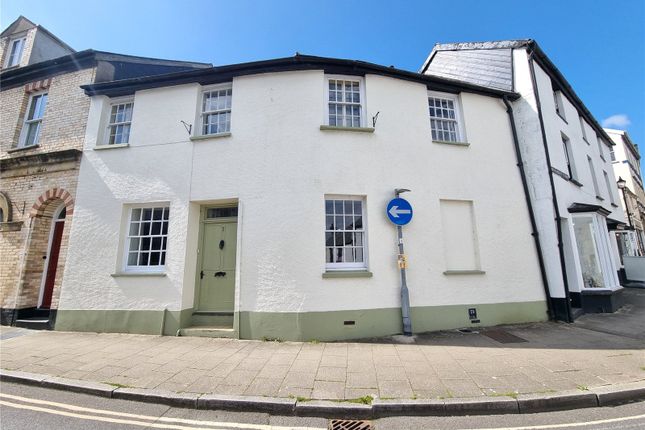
490 68
490 64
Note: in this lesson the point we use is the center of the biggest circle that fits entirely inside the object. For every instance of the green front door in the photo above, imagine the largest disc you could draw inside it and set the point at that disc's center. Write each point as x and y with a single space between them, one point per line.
216 292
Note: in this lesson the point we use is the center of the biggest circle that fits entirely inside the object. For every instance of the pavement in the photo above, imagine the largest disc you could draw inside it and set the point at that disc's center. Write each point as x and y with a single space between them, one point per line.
525 363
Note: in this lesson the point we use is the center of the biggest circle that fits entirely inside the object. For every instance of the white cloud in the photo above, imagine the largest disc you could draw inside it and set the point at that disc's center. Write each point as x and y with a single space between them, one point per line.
619 121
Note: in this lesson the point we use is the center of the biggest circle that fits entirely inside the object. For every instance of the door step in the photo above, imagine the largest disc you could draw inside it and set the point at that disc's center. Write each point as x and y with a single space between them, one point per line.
35 323
212 319
208 331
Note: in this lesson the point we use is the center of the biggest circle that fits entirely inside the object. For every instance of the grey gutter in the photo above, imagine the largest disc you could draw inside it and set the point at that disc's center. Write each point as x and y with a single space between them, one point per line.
297 62
529 205
553 192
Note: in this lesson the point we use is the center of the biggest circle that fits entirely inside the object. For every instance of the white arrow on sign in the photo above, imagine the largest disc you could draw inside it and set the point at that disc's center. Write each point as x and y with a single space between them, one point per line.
395 211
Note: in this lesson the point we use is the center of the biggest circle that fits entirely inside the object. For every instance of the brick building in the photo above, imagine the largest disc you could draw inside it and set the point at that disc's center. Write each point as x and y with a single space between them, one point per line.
43 113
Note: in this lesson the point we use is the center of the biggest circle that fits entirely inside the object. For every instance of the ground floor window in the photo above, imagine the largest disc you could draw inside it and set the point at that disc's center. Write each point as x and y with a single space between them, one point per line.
345 232
592 242
147 238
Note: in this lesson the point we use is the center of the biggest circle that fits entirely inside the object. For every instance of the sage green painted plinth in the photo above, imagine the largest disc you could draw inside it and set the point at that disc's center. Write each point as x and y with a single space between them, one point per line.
122 321
381 322
306 326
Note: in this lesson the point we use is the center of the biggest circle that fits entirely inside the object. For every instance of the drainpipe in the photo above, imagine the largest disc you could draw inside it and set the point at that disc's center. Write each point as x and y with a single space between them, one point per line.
553 193
534 232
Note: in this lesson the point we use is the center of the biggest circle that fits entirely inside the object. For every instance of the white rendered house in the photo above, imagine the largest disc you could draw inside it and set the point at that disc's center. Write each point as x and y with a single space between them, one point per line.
249 201
567 162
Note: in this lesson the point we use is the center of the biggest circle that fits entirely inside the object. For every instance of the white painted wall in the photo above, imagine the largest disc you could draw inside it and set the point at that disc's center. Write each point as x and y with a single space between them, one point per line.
537 169
280 165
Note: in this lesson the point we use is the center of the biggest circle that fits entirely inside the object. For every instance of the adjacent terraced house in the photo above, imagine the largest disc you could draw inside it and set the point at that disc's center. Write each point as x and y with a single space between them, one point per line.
249 201
43 114
566 163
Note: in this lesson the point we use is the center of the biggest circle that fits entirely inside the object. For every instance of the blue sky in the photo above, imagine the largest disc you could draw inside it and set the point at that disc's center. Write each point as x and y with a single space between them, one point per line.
598 45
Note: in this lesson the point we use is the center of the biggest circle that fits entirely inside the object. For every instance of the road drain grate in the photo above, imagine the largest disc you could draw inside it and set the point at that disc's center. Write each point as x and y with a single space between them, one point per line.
350 425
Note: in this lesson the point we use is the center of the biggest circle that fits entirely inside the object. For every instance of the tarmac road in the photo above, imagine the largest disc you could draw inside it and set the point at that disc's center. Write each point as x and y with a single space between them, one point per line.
38 408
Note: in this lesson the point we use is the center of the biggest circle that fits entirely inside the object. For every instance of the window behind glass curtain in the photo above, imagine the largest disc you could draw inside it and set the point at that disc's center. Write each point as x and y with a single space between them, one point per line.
120 123
216 111
147 238
344 103
344 233
443 119
33 120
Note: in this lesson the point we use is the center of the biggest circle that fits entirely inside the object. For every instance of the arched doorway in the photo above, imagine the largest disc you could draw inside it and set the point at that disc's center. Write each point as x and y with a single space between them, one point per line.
51 262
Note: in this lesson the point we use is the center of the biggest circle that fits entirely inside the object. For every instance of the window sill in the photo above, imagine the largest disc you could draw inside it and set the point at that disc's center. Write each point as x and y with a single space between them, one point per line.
600 198
575 182
563 118
137 274
347 274
114 146
22 148
448 142
614 205
209 136
586 141
464 272
11 226
359 129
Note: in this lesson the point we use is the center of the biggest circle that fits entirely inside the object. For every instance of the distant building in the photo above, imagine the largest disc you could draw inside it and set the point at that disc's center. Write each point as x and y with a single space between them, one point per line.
44 113
626 161
567 165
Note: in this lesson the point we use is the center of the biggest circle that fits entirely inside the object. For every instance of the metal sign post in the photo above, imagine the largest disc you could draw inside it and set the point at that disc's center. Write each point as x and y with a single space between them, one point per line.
399 211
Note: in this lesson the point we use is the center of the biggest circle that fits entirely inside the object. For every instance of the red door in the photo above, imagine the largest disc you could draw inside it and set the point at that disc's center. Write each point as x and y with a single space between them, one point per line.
52 264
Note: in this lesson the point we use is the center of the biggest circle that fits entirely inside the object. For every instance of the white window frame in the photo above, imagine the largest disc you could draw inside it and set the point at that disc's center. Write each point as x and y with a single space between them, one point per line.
202 113
126 240
568 154
22 40
592 171
609 190
27 122
456 101
583 128
355 265
600 148
361 90
600 237
108 127
558 101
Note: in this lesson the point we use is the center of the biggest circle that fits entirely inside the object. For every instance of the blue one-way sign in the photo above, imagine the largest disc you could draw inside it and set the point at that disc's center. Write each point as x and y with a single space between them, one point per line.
399 211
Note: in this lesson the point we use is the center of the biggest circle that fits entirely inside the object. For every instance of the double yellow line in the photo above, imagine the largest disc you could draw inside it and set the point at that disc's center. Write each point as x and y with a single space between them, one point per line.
107 416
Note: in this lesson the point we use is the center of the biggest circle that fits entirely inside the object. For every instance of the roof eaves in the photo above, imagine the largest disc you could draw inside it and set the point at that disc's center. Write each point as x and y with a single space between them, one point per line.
568 90
297 62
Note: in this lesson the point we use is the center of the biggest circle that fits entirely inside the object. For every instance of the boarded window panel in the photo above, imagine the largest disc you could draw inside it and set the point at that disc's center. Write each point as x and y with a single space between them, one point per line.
459 235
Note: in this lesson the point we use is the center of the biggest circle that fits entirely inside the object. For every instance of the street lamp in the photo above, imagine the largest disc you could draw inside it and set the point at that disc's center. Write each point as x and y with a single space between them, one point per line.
621 186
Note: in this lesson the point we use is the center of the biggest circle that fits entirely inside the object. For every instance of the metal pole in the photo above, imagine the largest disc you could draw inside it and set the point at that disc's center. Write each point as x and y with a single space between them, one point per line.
405 297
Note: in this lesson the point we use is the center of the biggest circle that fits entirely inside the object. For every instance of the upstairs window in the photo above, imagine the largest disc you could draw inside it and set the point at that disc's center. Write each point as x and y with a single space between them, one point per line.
601 149
147 238
119 124
559 105
33 120
345 102
609 187
444 118
15 52
568 156
592 171
583 129
216 111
